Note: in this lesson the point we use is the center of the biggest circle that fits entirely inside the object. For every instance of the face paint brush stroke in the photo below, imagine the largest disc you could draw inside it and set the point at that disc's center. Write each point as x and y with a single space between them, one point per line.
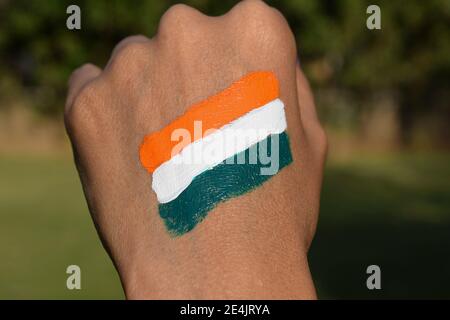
187 190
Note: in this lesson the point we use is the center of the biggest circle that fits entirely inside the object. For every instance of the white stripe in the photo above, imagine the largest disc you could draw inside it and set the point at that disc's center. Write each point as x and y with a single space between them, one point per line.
176 174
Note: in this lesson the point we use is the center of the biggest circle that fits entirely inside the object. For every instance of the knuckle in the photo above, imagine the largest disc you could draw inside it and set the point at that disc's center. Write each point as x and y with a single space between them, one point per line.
80 113
85 67
129 58
177 18
265 27
256 6
258 13
132 50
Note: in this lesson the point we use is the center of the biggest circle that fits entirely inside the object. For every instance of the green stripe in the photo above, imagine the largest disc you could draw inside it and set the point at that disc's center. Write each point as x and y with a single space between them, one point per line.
222 182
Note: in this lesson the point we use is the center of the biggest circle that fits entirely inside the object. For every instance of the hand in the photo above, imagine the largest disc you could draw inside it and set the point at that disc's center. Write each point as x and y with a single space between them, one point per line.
252 246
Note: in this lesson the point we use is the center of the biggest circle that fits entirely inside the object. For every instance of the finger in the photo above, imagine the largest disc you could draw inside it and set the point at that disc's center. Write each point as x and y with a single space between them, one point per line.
79 79
306 101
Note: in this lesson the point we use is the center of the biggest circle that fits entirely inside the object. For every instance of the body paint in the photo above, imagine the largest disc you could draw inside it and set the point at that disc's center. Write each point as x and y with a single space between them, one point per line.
188 189
175 175
252 91
216 185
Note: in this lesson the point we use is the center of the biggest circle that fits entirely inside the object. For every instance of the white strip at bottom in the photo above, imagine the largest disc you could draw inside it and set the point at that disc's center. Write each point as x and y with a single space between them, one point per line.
175 175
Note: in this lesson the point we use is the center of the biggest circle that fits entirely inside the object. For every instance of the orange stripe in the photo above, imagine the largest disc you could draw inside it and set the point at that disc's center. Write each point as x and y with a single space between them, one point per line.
250 92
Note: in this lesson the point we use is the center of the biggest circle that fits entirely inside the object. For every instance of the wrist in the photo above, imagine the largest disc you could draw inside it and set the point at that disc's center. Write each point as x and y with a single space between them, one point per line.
238 275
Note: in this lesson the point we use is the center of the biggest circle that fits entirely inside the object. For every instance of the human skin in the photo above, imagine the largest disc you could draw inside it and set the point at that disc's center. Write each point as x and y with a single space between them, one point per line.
250 247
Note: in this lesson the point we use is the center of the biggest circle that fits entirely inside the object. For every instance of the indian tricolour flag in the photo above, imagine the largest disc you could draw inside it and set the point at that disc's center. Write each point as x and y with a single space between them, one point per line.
218 149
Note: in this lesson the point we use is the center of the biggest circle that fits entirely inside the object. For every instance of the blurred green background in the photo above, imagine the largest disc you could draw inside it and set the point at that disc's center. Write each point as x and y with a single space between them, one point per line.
383 96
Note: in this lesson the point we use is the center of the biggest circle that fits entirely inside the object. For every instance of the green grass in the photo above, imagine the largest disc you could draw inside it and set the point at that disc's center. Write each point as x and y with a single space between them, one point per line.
393 211
45 226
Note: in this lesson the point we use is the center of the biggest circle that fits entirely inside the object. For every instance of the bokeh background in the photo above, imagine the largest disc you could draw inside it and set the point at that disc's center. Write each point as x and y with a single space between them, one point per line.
383 96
